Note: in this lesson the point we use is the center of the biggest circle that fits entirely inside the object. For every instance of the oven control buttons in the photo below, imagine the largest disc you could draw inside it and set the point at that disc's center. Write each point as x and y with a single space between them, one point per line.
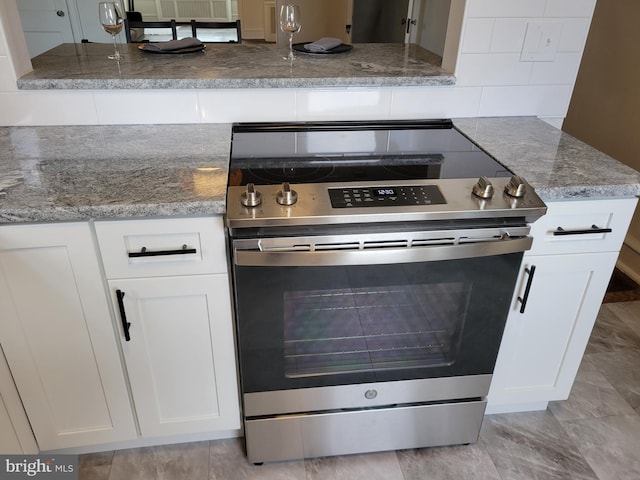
370 394
286 196
516 187
483 188
251 197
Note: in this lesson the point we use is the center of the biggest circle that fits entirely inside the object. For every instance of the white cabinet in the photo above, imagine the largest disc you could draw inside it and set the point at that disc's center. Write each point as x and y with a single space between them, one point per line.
170 291
542 347
58 337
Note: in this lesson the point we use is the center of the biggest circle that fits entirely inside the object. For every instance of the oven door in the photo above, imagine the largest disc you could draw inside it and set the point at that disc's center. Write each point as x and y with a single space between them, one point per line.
353 309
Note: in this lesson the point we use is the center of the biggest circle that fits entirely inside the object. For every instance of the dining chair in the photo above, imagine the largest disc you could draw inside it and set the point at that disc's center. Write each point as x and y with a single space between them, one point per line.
217 32
162 30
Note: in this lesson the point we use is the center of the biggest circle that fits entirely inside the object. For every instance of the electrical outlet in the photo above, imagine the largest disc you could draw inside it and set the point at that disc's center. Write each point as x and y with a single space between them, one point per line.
541 41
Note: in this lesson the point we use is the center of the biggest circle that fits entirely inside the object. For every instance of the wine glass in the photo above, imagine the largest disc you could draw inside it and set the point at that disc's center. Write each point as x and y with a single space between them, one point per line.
290 24
111 19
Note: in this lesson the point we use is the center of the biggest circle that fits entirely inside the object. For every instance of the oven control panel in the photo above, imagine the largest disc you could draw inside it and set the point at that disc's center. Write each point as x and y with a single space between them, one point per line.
386 196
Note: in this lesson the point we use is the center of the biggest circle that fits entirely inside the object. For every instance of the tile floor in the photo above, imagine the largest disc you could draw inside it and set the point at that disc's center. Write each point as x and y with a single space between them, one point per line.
595 434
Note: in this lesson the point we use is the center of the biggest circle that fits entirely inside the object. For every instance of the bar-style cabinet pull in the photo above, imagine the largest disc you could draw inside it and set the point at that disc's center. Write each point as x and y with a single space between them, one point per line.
123 315
593 229
523 300
158 253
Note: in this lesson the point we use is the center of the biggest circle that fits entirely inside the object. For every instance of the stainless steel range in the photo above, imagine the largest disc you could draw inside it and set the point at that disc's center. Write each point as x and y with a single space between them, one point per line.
373 268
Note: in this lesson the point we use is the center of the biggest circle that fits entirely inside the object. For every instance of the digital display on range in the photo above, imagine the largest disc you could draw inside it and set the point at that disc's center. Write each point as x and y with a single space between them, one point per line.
386 196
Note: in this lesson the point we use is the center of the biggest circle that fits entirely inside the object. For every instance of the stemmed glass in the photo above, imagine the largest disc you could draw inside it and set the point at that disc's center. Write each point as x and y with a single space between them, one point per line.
111 19
290 24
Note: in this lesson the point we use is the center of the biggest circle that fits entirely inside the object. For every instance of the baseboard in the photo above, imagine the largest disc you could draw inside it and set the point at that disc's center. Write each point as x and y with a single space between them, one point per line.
517 407
150 442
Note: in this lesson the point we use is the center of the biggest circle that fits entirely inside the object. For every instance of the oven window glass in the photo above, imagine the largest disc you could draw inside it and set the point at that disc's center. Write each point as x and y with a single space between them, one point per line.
313 326
340 330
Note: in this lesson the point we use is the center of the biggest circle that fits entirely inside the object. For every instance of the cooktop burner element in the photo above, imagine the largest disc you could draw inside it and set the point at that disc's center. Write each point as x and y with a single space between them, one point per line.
341 172
267 176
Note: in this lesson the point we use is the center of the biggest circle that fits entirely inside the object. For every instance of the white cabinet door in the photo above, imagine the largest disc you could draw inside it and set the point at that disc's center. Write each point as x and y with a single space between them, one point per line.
542 348
180 356
46 24
58 336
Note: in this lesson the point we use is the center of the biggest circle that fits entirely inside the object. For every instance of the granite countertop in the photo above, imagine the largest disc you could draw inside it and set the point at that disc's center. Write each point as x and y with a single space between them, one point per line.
85 172
221 65
557 165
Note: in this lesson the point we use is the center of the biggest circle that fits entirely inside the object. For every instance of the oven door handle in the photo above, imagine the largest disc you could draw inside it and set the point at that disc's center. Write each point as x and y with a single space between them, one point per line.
376 256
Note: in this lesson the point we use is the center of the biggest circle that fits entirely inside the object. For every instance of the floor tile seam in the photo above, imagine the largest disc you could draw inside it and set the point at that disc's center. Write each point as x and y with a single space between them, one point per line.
623 317
395 454
621 391
613 351
578 444
209 465
110 468
632 323
482 443
584 421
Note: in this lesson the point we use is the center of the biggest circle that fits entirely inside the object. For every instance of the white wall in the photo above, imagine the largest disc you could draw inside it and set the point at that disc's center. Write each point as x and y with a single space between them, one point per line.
491 80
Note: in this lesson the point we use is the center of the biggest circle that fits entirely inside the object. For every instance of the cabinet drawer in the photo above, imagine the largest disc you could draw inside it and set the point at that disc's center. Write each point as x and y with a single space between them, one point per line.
582 226
161 247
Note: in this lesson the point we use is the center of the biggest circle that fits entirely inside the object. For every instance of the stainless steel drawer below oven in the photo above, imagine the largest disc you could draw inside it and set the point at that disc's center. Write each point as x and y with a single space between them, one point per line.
350 432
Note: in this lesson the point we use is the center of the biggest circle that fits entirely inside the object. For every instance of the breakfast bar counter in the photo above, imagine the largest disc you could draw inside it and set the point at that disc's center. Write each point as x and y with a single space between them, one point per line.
245 65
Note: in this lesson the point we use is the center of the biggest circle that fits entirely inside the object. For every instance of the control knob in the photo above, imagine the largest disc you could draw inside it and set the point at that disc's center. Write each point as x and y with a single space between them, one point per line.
251 197
286 196
483 188
516 187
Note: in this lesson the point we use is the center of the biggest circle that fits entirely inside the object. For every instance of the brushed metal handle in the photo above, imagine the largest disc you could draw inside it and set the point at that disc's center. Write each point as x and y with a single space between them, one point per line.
379 256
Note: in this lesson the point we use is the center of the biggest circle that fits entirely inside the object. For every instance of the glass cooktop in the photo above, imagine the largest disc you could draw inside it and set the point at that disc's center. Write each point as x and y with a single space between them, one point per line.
266 154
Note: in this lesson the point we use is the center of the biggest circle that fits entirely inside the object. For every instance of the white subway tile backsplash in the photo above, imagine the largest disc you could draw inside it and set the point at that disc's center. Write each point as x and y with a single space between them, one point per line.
247 105
343 103
563 70
477 35
435 102
508 35
154 106
538 100
570 8
505 8
574 35
47 108
492 69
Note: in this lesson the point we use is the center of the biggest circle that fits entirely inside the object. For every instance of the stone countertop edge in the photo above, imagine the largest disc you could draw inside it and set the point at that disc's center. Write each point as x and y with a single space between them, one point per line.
188 84
77 173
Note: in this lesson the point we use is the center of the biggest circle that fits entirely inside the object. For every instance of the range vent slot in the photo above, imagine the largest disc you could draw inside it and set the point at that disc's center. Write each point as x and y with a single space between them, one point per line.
338 246
387 244
398 240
